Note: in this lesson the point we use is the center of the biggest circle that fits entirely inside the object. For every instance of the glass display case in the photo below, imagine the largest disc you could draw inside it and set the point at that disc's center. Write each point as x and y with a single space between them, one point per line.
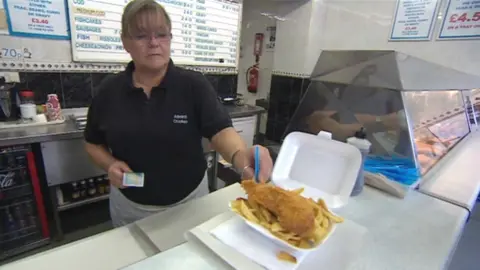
410 108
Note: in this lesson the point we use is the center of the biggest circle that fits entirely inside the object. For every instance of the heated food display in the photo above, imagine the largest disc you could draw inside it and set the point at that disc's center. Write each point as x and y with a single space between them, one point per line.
435 140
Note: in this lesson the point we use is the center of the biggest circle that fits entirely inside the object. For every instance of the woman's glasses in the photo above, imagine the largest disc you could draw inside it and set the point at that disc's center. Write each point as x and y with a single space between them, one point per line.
160 36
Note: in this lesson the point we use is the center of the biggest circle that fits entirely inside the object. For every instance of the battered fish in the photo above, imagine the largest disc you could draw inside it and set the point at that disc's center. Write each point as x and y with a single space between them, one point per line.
294 212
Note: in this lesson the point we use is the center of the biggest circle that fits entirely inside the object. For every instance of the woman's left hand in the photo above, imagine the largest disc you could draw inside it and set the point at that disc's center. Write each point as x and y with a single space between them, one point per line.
266 164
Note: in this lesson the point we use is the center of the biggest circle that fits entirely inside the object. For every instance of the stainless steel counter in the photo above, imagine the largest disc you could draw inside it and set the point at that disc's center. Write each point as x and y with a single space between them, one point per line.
38 134
68 130
242 111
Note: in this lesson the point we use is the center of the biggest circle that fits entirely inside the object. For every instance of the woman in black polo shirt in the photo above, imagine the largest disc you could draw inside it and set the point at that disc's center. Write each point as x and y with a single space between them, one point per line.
151 118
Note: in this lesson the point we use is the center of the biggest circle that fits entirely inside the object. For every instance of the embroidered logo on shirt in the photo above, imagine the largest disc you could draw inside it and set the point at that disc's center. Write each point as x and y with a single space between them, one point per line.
180 119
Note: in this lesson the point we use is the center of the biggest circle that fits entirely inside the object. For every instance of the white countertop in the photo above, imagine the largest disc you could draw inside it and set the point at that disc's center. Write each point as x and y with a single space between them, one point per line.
419 232
199 258
110 250
454 178
166 229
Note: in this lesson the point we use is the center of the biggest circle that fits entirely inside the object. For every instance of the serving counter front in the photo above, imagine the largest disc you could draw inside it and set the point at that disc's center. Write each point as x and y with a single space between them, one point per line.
418 232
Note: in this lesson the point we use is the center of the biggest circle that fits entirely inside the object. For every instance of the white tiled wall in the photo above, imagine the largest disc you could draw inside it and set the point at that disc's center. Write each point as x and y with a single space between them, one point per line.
254 22
366 25
315 25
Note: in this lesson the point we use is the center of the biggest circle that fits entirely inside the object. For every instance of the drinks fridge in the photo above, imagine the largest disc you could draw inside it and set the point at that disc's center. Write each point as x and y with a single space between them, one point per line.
23 222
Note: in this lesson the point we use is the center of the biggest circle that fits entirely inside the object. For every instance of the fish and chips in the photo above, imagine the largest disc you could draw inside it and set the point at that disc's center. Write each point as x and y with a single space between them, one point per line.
286 214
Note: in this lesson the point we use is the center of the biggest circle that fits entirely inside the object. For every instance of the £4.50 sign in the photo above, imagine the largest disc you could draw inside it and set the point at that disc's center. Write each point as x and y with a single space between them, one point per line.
462 20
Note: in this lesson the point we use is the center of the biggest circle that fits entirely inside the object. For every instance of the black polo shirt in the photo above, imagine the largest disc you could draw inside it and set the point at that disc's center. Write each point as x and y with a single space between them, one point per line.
161 135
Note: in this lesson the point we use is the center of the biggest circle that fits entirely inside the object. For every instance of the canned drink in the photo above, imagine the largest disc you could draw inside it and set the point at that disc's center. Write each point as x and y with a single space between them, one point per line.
19 216
54 112
30 214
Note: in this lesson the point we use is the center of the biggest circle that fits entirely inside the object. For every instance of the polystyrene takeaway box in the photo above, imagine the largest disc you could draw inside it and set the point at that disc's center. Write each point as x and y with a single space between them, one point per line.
325 168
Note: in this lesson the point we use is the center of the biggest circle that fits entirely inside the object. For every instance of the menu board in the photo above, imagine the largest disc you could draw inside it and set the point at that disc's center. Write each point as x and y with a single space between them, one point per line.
205 32
413 19
3 20
37 18
462 20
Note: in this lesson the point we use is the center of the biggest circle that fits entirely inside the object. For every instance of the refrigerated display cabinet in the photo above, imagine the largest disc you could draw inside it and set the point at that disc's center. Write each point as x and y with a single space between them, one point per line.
411 108
22 214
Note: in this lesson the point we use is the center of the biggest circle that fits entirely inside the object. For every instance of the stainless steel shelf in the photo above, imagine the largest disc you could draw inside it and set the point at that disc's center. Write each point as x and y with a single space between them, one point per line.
83 202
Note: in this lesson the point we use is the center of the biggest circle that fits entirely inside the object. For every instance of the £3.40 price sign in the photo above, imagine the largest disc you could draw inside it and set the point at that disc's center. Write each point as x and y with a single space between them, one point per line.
462 20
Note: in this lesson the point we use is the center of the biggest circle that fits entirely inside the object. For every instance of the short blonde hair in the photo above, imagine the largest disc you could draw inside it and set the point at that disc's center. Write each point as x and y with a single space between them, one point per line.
136 8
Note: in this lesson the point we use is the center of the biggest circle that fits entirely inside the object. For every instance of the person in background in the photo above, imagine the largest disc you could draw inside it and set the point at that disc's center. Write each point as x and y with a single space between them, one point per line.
151 118
344 109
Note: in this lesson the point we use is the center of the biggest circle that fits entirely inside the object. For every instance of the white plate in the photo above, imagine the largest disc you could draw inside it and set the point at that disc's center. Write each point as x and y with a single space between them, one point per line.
287 247
325 168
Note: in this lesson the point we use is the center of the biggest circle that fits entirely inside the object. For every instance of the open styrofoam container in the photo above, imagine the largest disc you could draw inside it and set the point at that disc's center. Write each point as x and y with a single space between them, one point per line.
325 168
287 247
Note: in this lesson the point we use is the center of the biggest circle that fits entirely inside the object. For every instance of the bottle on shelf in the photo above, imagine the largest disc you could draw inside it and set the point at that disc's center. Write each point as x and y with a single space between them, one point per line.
75 192
11 160
22 177
10 225
21 160
92 189
106 182
83 189
30 214
20 217
60 197
101 186
3 162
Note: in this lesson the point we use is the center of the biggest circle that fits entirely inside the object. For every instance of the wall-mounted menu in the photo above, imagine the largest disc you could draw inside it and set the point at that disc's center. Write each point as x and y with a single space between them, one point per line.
414 19
204 32
37 18
461 20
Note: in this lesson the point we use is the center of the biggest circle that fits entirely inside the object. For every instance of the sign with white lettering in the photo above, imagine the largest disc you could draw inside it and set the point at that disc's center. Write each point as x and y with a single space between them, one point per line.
462 20
205 32
414 19
37 18
7 180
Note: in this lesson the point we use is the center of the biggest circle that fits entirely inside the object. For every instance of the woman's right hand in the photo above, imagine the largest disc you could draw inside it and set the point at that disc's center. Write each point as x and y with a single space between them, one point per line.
115 173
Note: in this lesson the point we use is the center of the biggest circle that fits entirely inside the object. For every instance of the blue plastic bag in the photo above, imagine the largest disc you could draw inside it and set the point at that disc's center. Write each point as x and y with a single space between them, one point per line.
399 169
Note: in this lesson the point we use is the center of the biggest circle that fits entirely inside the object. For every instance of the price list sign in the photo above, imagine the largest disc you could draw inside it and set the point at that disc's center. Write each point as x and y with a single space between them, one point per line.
37 18
205 32
462 20
413 19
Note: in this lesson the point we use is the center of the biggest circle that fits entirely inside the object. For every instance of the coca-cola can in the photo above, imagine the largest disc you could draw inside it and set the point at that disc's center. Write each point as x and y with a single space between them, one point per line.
54 112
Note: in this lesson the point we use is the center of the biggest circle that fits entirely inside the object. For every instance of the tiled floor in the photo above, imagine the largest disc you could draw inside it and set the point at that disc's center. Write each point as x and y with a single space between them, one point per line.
467 254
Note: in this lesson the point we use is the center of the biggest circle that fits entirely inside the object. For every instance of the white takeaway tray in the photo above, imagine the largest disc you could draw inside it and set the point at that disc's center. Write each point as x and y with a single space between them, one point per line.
338 253
325 168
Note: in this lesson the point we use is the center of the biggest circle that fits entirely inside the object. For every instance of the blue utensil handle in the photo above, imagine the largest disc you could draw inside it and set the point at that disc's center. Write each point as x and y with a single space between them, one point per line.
257 164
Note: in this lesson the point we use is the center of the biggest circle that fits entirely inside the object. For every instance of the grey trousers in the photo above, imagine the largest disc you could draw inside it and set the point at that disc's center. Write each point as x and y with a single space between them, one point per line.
123 211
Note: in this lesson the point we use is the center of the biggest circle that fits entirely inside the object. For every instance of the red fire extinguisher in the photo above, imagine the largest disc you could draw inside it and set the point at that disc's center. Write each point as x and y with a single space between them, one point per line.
253 72
252 78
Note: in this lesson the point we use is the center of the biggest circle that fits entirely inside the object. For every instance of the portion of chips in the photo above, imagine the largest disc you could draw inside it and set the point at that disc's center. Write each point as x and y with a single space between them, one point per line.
284 256
256 213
